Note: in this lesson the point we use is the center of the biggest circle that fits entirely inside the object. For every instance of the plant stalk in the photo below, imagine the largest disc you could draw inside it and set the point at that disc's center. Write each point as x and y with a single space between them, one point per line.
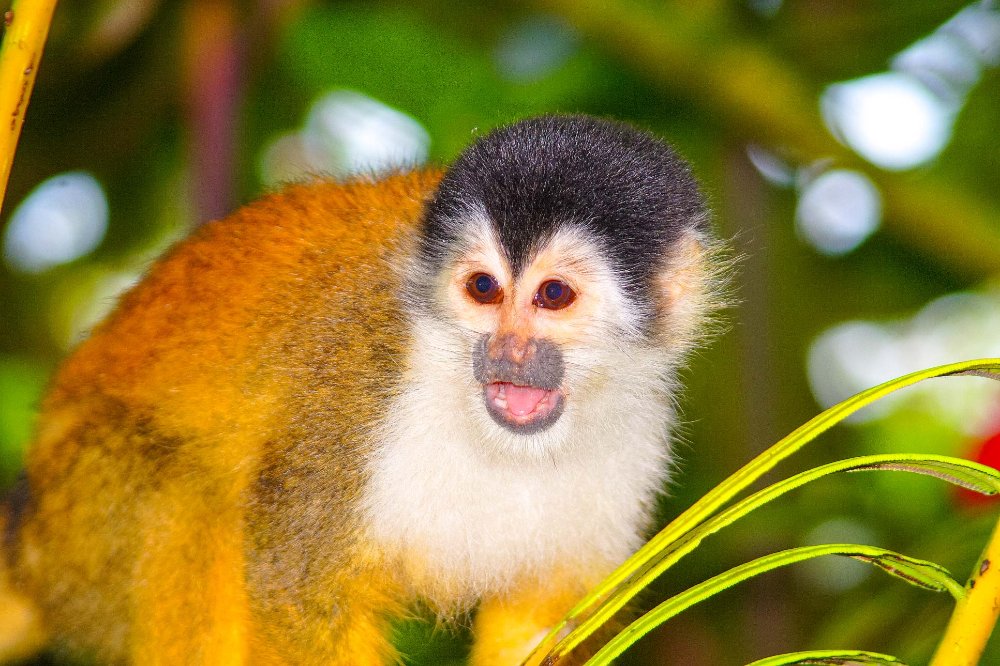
26 27
976 613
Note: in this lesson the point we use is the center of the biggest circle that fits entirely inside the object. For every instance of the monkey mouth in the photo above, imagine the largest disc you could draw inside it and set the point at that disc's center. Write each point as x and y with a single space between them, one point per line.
523 409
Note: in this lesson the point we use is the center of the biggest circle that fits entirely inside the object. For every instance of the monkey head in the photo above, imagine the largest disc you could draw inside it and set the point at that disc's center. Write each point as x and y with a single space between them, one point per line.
562 273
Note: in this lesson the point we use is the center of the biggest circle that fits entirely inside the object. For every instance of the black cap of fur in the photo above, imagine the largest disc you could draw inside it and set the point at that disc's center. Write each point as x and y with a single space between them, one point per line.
626 188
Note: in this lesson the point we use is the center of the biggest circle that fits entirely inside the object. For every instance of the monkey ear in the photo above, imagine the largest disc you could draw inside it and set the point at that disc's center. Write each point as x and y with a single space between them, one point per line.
692 287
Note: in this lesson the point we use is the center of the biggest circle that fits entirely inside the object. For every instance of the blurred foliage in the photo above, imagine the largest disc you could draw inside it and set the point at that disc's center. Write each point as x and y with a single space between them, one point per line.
126 92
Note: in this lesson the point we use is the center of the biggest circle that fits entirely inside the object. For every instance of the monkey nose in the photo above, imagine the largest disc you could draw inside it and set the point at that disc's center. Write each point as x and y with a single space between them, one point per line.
513 348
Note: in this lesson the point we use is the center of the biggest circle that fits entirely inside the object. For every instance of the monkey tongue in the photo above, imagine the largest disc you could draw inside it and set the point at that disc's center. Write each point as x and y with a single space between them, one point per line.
521 400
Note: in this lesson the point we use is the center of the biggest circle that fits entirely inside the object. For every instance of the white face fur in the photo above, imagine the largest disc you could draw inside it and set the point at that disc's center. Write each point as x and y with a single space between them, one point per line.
467 507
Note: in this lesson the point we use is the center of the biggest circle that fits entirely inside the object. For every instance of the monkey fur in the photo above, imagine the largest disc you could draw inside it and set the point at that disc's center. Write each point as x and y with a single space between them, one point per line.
448 388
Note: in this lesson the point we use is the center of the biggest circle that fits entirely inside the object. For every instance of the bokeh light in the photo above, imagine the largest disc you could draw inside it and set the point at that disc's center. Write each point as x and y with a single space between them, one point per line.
856 355
892 120
774 169
838 210
60 221
345 133
84 299
834 575
534 47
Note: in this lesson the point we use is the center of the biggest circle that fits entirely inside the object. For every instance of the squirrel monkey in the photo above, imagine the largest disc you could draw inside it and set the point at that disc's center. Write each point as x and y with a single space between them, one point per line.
453 389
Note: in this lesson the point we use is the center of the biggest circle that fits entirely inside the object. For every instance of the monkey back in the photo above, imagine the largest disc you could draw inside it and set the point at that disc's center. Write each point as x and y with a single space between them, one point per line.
193 427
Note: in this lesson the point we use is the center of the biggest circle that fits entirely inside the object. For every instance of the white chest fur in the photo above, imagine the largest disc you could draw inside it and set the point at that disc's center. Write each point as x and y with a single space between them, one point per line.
463 521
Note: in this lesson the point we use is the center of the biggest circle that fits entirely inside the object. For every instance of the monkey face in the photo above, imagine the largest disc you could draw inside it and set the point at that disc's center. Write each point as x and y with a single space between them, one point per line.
530 326
546 348
558 276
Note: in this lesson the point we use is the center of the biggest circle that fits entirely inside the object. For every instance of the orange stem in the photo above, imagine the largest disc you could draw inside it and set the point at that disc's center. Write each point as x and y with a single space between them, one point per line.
976 614
26 27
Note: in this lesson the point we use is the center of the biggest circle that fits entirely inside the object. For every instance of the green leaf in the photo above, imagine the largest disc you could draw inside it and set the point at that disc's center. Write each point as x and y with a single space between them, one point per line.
604 601
969 475
828 657
916 572
961 472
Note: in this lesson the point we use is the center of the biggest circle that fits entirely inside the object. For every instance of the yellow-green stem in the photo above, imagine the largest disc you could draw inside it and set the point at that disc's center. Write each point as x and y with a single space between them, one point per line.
976 614
27 25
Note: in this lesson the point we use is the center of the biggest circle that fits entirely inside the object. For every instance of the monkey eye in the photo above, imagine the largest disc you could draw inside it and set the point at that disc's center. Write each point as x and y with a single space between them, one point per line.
484 288
554 295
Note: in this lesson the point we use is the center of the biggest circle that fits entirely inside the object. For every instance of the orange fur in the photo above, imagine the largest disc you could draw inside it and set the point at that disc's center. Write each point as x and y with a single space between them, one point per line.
147 536
508 627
